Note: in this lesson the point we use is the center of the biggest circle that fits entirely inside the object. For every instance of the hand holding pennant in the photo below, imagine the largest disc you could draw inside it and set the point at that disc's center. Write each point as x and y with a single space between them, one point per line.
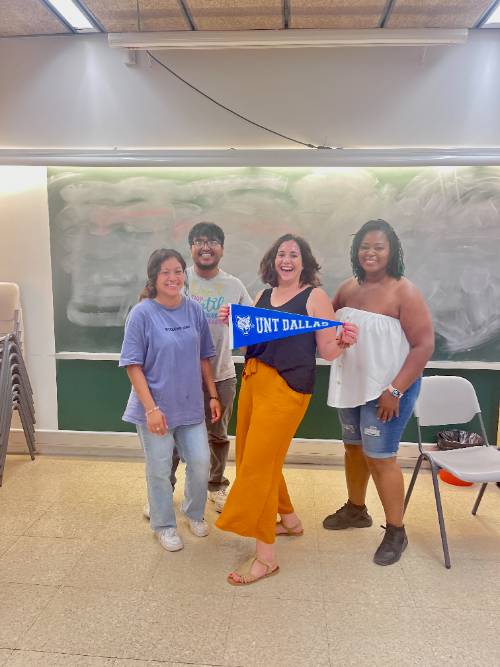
249 325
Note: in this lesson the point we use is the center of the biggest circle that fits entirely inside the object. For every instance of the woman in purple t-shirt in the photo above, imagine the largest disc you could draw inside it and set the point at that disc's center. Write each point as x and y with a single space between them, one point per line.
166 350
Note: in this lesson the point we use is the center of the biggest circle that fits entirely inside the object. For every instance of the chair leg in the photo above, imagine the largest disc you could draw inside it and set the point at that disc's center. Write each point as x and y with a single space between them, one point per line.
5 422
479 498
28 434
412 481
439 509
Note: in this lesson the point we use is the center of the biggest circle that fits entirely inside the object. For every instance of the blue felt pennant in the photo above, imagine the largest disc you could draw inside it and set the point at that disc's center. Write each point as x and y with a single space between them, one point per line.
249 325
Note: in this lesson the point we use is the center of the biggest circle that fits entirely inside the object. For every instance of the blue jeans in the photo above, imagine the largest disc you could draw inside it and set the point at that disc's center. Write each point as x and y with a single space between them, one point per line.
217 435
192 444
380 440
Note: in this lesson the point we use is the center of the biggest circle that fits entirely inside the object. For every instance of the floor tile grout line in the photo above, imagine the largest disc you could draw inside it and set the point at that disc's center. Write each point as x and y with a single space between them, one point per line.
324 605
64 576
228 629
325 616
4 553
481 608
44 607
50 505
51 537
84 655
408 584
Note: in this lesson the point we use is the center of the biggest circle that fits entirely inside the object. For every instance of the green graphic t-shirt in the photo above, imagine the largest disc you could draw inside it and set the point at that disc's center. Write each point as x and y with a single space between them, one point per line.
211 295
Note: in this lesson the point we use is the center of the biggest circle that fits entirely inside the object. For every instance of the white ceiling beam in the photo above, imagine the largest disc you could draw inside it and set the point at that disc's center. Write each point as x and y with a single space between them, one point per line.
353 157
271 39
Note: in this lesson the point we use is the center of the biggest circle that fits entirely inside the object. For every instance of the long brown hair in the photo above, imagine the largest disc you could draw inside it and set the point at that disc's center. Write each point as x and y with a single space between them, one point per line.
309 275
154 265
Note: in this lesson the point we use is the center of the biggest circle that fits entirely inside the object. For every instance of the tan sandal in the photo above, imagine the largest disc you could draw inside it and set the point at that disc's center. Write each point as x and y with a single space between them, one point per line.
292 531
245 572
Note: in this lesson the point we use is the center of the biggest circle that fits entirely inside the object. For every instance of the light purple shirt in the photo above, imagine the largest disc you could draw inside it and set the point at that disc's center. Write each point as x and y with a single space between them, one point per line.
168 343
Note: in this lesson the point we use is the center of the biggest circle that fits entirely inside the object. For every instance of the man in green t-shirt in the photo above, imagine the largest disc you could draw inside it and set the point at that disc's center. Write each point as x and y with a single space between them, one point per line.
212 287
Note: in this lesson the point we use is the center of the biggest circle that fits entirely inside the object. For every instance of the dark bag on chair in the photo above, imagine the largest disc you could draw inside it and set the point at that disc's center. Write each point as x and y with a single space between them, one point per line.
457 439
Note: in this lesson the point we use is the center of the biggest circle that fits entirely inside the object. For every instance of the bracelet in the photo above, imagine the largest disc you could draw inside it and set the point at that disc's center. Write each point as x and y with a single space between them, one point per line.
148 412
214 398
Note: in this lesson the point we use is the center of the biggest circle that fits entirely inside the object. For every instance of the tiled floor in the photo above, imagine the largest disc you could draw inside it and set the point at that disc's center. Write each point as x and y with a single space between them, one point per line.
84 583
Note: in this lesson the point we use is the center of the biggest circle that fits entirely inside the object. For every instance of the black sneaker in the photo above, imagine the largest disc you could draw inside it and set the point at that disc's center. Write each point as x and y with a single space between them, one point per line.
392 546
348 516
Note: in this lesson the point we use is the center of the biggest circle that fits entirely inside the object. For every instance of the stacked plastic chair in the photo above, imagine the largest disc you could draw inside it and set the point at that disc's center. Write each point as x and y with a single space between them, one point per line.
15 394
15 388
11 314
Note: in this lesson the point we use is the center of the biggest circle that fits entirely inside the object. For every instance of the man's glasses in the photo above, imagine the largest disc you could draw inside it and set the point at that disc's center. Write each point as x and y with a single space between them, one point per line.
211 243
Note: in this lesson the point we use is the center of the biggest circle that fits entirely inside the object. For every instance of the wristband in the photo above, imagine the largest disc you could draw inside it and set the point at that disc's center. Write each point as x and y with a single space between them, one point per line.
214 398
148 412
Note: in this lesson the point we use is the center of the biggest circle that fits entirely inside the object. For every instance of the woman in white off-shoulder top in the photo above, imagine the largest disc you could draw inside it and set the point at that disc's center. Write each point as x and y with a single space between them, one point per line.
374 384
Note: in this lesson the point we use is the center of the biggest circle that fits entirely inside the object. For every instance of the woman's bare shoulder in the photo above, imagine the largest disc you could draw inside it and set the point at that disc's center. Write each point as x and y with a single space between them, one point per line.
258 295
409 298
349 283
407 290
344 290
318 293
318 303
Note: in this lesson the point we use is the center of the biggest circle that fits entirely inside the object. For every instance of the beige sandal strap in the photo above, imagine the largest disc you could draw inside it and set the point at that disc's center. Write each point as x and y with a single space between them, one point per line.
245 575
291 530
270 566
244 569
250 578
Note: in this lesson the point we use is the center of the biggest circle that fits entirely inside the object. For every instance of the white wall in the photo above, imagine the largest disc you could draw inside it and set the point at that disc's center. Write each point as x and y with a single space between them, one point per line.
25 260
76 92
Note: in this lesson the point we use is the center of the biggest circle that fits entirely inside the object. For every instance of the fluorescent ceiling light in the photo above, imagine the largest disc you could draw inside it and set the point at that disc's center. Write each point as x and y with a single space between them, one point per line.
493 20
73 15
267 39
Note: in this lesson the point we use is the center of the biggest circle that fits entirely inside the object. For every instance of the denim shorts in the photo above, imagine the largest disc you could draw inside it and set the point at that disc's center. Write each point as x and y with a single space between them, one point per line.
380 440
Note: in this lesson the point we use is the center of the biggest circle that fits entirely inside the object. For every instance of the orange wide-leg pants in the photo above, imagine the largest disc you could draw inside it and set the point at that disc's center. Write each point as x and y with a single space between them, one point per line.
269 413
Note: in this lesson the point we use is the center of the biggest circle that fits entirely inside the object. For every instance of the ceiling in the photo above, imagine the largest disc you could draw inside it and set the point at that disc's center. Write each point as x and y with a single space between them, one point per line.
34 17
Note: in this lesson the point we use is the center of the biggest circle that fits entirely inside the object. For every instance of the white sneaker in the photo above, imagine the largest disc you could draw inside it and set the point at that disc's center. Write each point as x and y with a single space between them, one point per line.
198 528
169 539
219 498
146 512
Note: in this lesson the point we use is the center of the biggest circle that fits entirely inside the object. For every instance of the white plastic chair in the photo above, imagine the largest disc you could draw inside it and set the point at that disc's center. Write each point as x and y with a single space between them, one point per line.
452 400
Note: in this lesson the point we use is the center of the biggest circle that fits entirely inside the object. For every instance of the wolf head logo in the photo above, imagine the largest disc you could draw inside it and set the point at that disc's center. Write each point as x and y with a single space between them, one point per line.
244 324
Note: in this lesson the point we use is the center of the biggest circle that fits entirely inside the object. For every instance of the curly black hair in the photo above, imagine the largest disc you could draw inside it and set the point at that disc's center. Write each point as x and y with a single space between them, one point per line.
395 265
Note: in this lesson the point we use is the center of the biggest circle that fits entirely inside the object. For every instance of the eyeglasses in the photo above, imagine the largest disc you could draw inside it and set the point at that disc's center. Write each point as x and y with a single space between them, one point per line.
211 243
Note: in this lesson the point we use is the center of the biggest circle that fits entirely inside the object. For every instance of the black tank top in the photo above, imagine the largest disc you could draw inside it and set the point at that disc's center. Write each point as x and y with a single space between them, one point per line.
295 357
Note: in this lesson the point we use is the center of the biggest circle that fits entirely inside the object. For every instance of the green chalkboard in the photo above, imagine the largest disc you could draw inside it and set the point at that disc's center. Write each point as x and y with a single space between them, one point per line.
92 396
104 223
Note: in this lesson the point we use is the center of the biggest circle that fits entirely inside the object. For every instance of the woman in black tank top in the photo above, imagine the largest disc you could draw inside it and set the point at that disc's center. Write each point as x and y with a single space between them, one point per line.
294 358
276 388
